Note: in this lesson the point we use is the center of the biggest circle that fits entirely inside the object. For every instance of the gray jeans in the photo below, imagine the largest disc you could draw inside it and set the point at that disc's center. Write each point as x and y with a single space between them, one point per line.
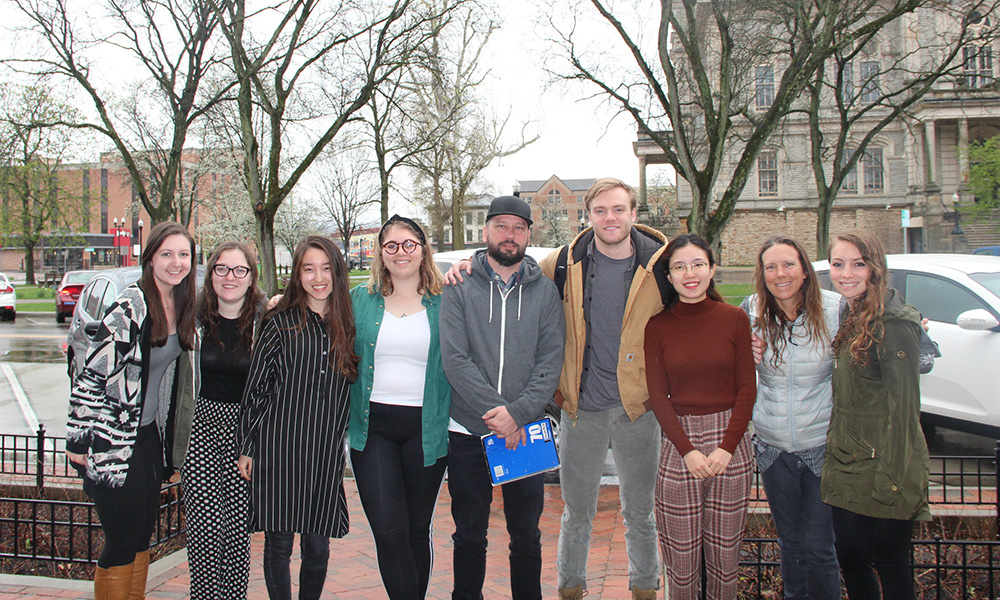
583 448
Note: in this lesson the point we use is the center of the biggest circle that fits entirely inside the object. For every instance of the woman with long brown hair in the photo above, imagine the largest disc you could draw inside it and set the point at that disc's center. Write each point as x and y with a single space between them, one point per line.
795 319
875 475
294 415
130 412
216 498
399 405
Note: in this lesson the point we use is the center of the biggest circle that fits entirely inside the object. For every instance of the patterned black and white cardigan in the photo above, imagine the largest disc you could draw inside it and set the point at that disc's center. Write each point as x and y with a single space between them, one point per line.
106 400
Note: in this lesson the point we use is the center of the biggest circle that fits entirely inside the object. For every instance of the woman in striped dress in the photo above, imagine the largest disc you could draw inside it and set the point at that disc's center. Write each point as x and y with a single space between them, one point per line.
216 498
294 419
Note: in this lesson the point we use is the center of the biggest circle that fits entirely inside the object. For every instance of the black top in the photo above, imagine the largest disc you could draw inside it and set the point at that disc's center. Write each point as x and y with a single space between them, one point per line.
224 366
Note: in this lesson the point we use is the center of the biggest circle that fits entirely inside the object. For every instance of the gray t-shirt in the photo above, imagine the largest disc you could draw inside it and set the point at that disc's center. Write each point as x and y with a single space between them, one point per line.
606 295
159 359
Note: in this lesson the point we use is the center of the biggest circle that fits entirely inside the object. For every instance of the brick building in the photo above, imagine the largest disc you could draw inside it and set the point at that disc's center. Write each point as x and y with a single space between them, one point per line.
105 225
556 198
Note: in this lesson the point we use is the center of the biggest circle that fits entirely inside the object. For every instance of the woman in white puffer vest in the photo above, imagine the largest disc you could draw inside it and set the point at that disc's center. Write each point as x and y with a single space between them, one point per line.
796 320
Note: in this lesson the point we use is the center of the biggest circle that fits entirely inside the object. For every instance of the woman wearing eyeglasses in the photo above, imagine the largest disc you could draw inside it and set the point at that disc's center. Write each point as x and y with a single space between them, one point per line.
399 405
702 386
216 497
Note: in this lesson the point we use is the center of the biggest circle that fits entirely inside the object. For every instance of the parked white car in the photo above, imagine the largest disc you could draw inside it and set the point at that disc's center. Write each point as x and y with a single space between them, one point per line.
960 295
8 299
445 260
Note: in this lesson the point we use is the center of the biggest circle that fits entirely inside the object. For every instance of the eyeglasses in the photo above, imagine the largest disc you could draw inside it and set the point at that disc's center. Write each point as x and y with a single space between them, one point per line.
238 272
696 267
409 246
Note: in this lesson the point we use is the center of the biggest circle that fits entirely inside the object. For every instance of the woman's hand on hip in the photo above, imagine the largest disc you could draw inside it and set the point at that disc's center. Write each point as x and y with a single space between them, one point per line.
698 464
245 465
718 460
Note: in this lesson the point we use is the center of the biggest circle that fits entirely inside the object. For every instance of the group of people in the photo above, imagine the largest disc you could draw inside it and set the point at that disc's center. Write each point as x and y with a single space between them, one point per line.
254 405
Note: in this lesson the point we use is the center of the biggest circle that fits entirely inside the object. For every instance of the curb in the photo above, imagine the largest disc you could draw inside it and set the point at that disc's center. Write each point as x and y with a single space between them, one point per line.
155 570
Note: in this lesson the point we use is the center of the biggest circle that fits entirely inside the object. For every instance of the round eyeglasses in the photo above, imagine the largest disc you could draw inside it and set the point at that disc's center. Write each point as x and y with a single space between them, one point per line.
408 246
238 272
681 268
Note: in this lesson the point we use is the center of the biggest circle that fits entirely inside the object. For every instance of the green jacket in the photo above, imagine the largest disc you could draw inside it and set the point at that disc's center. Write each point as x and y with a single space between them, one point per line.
368 311
876 457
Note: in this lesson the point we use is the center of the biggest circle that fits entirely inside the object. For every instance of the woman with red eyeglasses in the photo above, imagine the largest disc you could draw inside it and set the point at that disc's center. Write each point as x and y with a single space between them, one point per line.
399 405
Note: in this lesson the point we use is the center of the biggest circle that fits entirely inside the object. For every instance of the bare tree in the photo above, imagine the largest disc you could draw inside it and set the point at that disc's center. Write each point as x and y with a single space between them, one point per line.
471 137
305 68
692 93
347 189
173 42
845 116
36 196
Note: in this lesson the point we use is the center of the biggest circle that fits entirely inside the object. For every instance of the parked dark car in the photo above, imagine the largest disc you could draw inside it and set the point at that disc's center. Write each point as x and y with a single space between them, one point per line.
95 299
68 292
988 250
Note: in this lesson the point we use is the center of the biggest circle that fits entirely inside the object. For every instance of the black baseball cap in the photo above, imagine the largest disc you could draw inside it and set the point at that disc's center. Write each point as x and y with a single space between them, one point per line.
509 205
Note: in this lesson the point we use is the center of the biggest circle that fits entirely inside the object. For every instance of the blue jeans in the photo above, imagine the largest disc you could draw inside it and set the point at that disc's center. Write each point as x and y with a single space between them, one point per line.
312 573
809 566
471 496
583 449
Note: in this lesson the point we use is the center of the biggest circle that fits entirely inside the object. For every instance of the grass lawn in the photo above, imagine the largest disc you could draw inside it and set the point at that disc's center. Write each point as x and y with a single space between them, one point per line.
34 292
734 293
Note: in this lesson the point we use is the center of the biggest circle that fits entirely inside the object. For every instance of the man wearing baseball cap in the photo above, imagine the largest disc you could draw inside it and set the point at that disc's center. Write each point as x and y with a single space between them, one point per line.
502 337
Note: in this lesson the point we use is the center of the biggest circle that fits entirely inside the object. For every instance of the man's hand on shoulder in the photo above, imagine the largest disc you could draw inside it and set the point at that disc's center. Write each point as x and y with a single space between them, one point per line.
454 274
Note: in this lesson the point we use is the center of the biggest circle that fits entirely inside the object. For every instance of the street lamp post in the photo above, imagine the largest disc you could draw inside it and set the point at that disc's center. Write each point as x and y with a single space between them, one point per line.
116 240
140 239
955 198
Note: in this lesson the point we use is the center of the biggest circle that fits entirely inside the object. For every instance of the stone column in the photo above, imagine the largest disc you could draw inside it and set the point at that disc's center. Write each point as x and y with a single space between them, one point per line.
643 216
930 152
960 152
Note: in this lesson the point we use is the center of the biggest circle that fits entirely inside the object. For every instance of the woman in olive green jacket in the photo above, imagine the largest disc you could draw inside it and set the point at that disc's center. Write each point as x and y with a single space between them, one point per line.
875 475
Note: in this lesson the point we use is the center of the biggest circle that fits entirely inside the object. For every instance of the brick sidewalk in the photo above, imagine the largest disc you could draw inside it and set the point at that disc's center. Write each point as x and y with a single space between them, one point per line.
353 572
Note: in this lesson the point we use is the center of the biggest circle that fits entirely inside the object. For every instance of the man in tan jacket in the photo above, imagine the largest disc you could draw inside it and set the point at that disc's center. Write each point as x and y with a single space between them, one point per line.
609 289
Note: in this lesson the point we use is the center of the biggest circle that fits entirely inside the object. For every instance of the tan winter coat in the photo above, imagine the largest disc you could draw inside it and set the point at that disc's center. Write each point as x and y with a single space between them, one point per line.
643 302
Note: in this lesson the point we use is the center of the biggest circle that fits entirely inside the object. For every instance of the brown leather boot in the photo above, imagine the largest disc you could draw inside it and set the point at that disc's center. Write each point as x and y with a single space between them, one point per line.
112 583
640 594
137 590
573 593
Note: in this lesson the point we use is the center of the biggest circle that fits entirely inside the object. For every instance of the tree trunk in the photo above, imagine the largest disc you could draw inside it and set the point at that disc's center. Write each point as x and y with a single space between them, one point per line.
29 262
265 236
823 225
457 225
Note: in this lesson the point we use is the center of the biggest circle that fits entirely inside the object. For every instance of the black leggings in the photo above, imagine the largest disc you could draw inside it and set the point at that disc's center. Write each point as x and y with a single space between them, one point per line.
398 494
128 522
866 545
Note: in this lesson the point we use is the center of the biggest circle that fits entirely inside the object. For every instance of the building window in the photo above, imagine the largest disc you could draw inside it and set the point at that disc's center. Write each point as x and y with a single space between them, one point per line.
870 81
765 87
579 199
847 84
850 183
767 174
977 67
554 197
874 172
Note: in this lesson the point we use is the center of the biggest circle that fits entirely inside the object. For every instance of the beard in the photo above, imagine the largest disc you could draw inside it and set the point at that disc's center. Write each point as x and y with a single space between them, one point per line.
505 258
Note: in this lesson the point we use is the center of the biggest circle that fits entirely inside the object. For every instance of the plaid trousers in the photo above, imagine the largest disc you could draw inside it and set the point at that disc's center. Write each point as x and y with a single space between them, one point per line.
695 514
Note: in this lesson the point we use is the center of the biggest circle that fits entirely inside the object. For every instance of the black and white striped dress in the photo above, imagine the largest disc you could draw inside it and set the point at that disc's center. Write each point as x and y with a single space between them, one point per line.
293 423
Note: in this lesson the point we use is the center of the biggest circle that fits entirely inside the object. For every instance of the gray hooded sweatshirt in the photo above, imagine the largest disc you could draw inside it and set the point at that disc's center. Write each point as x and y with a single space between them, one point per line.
501 349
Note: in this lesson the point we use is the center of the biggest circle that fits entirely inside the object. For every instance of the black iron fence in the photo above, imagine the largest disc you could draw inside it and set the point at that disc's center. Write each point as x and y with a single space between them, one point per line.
48 527
55 522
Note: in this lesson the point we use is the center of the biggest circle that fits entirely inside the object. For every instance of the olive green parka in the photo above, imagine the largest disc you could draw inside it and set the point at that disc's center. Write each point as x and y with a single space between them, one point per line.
876 457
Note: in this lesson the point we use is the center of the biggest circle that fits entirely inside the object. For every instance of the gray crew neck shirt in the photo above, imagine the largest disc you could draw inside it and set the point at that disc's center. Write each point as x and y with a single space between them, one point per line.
159 359
606 294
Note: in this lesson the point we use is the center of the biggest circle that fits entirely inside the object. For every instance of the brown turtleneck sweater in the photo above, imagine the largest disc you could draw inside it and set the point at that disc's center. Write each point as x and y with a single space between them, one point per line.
699 362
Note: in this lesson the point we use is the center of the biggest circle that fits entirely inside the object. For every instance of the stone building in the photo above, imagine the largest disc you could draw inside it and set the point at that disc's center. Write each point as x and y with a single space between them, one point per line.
906 186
